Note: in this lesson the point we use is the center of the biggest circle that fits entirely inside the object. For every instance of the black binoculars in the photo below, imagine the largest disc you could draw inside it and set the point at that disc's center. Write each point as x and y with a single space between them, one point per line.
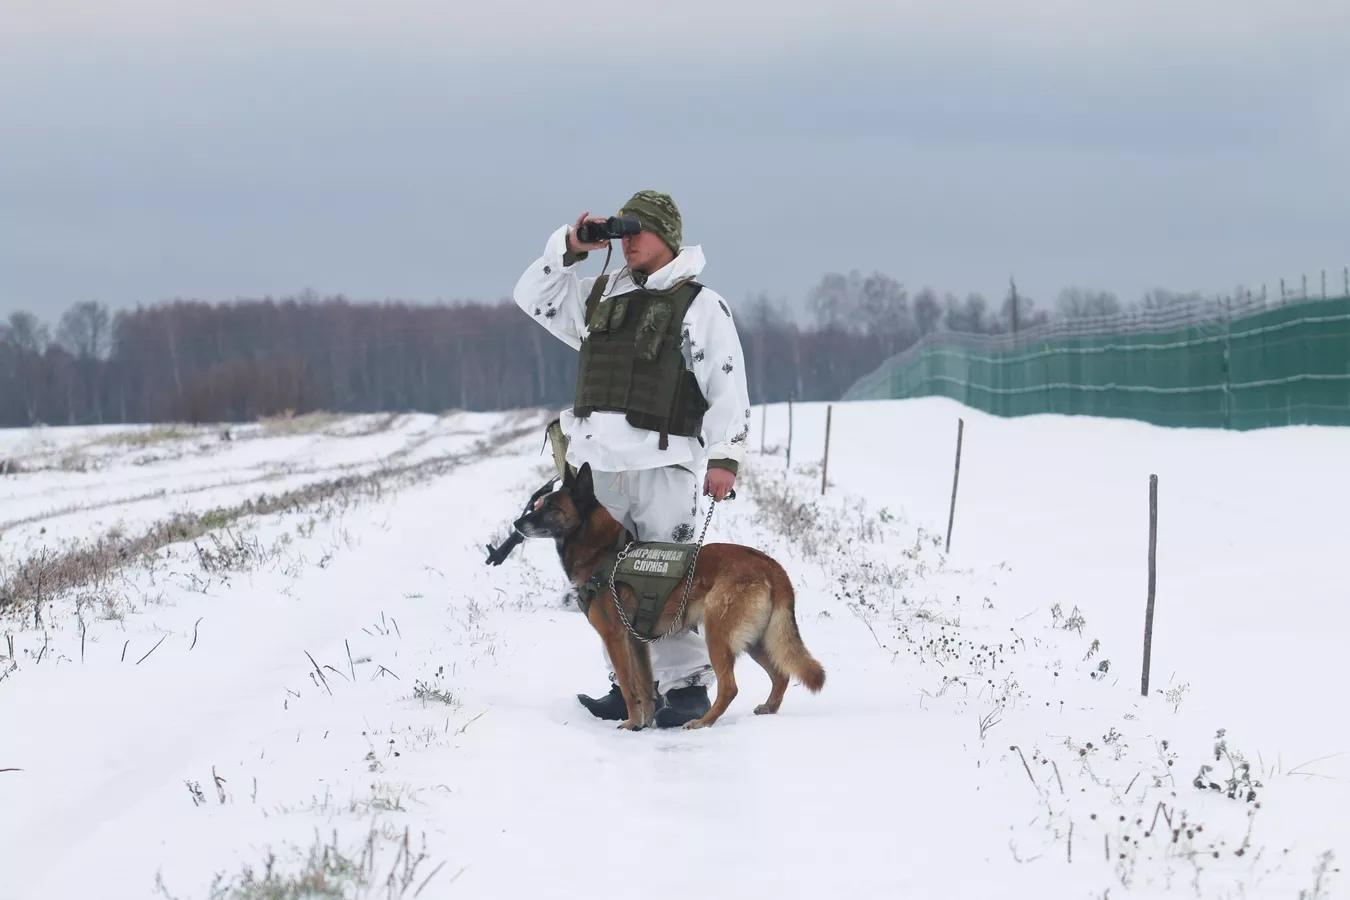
608 230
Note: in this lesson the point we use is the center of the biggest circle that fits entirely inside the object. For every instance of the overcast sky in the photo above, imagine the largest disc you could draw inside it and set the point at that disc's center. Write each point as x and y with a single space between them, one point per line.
409 149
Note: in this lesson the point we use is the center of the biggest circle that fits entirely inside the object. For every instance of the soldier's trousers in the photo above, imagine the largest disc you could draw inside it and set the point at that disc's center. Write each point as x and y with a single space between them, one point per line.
661 505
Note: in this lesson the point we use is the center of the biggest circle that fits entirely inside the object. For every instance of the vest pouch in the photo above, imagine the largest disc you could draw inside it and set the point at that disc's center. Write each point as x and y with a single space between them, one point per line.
651 331
599 320
619 313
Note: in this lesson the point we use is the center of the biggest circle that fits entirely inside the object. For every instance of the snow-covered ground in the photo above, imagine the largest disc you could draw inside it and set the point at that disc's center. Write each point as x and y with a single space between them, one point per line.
351 672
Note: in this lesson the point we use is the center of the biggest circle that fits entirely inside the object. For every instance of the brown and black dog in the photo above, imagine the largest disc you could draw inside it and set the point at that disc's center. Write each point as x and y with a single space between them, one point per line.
741 597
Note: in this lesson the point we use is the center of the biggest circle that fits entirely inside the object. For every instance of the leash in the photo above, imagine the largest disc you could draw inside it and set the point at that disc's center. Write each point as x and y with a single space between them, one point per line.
688 583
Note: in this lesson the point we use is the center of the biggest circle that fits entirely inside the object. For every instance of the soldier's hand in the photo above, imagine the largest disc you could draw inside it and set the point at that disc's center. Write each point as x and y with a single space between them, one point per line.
577 246
718 483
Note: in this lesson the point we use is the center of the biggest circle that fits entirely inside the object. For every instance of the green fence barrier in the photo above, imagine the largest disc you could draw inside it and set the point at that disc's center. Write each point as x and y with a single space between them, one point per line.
1251 368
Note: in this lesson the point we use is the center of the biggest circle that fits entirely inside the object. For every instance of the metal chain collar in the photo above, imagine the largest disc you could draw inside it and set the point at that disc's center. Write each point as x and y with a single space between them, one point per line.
684 600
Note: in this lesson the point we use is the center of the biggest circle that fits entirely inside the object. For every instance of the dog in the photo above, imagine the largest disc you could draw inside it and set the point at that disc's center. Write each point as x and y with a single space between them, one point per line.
741 598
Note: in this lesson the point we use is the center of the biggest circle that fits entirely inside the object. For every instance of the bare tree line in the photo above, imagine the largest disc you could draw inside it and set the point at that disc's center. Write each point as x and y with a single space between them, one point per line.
236 361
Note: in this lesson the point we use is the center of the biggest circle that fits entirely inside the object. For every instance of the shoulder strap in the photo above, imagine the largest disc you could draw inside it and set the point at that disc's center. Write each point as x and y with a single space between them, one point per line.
692 287
684 298
683 294
597 291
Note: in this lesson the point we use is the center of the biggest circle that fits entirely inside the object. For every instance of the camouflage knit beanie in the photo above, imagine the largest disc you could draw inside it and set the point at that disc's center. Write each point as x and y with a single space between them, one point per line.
658 214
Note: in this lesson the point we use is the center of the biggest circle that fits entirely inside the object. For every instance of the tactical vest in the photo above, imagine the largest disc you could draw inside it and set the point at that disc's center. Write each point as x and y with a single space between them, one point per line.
631 361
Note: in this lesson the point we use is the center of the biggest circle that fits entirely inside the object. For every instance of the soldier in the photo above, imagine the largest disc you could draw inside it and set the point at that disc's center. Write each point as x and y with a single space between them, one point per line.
661 404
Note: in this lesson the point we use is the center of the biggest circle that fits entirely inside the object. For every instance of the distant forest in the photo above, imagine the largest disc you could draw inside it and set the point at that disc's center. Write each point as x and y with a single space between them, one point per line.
190 361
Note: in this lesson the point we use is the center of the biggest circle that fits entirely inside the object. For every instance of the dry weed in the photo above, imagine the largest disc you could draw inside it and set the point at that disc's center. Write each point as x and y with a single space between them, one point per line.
39 579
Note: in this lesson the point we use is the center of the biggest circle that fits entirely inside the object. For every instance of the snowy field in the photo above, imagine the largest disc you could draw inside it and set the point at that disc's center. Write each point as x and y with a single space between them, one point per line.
315 682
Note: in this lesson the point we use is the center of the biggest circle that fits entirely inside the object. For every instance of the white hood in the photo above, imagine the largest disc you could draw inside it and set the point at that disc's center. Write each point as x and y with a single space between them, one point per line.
688 264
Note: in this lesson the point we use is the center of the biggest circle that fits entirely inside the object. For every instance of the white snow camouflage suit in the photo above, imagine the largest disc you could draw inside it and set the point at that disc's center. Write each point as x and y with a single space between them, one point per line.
655 493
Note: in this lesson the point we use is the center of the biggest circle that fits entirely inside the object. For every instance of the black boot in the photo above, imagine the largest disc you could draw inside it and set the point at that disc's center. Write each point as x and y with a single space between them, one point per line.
610 706
681 705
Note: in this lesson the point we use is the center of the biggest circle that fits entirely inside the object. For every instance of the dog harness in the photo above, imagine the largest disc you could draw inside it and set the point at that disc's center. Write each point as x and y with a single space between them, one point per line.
653 571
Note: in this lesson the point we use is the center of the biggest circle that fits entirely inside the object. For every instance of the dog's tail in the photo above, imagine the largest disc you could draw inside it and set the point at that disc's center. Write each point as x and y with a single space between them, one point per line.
783 641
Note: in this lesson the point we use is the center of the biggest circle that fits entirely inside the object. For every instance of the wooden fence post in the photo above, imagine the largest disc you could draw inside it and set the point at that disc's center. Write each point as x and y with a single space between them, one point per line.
1152 577
763 425
825 465
956 478
789 447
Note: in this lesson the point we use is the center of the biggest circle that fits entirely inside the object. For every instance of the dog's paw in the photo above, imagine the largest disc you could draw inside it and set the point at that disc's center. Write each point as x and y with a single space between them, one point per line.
630 725
697 723
764 709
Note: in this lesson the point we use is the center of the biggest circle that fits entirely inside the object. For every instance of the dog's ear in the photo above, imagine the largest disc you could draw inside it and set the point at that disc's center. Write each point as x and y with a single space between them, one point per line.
583 486
568 478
